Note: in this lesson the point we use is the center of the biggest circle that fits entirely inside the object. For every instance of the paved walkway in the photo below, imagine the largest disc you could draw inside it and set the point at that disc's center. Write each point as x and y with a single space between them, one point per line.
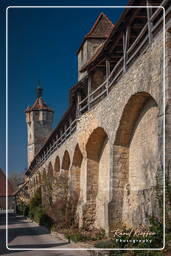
24 234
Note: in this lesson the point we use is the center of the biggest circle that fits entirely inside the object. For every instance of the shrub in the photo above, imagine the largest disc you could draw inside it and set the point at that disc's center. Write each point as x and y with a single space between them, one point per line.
53 227
26 211
39 215
46 221
20 208
104 244
76 237
84 235
63 212
36 200
38 212
35 206
23 209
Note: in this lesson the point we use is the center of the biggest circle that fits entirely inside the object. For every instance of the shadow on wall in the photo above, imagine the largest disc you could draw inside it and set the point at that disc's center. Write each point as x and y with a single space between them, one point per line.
136 161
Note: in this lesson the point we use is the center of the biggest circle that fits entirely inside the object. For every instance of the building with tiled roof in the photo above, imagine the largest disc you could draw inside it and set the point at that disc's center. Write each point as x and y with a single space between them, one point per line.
3 190
92 41
3 185
101 28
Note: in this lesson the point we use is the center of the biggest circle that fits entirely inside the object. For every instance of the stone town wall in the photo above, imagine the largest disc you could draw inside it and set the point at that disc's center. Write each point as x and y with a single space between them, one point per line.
168 120
120 141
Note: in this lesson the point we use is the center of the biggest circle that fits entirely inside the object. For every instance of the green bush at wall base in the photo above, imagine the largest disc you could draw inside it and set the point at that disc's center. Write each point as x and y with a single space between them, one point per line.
76 237
37 213
46 221
23 209
26 211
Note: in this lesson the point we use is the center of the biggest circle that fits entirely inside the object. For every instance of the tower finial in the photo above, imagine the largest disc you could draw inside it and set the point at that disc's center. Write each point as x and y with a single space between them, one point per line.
39 91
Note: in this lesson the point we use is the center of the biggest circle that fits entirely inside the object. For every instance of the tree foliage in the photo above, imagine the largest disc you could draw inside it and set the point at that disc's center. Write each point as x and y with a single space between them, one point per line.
15 179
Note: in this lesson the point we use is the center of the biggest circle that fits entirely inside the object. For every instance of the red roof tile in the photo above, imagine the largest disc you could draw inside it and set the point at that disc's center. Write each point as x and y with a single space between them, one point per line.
39 104
3 185
102 27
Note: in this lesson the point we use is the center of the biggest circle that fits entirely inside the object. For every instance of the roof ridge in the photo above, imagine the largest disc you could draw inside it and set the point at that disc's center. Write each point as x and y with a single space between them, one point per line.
102 14
39 104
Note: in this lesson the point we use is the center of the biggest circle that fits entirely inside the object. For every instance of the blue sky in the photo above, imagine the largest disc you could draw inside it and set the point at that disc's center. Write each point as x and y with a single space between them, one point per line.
42 47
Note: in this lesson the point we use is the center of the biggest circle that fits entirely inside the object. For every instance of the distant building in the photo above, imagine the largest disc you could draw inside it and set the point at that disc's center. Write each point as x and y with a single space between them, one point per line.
11 197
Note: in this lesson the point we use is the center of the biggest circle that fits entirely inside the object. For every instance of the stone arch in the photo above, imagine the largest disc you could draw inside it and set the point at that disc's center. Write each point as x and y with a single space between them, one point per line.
37 183
44 175
57 165
135 162
39 178
44 188
50 170
75 172
66 161
130 115
49 183
61 188
34 184
56 178
97 149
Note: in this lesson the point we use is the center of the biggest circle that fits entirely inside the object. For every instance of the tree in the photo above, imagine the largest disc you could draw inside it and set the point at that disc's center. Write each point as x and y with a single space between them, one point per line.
15 179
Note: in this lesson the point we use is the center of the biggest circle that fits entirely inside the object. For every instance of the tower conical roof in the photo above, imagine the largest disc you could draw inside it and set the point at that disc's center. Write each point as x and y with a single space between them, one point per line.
39 103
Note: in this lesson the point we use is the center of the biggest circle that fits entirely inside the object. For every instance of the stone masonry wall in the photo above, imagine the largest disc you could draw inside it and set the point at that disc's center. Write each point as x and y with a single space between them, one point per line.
125 170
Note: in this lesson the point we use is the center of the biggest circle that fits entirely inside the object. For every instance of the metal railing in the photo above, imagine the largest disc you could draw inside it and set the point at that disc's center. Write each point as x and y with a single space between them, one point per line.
40 160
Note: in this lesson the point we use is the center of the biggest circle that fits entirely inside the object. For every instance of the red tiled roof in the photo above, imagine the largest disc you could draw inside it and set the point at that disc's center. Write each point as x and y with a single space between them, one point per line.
101 28
116 28
3 185
39 104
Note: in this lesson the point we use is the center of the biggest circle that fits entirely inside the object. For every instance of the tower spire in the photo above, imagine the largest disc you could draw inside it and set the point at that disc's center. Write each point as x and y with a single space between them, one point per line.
39 91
